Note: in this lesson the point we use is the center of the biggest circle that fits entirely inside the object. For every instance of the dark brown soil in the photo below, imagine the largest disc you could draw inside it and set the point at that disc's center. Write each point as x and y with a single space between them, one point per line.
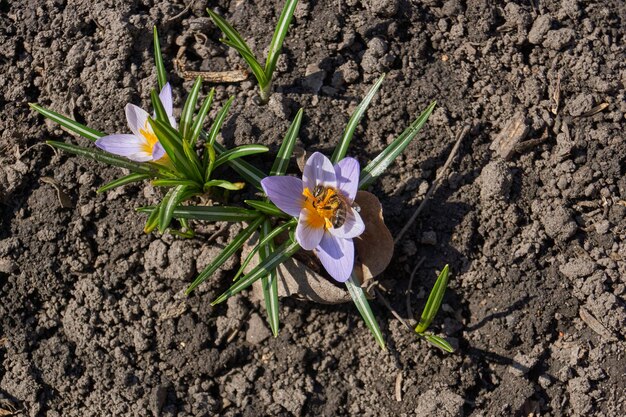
92 318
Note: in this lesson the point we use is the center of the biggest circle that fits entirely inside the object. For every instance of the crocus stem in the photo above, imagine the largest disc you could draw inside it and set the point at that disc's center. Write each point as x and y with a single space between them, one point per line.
264 92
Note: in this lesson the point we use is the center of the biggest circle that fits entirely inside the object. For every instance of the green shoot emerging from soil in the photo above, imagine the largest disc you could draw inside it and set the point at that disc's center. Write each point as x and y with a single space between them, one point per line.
430 311
273 221
169 155
263 74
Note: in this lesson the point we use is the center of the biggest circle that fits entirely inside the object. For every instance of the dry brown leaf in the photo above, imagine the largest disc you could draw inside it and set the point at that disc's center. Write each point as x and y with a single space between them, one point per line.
374 247
64 200
296 279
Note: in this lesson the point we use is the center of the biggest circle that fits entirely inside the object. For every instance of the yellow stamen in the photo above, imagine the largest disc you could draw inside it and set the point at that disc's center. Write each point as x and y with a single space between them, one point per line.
151 140
320 209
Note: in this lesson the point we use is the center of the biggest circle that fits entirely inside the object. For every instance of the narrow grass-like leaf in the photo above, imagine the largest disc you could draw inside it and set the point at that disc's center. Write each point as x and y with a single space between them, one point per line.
128 179
159 109
69 124
158 60
286 148
391 152
104 157
227 185
267 208
208 213
238 152
256 68
174 150
229 31
355 119
434 301
228 251
440 342
210 155
174 182
219 121
266 239
358 296
170 201
153 219
196 128
279 37
186 117
280 255
270 281
248 172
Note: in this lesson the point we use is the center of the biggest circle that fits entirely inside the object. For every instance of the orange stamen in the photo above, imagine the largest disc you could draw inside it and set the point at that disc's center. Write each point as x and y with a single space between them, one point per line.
319 210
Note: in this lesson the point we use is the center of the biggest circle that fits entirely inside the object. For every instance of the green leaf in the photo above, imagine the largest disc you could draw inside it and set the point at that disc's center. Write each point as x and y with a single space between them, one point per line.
173 182
169 203
128 179
270 281
391 152
267 208
239 152
229 31
69 124
227 185
284 252
174 149
346 138
158 60
434 301
159 109
186 117
199 120
266 239
105 157
210 155
286 148
279 37
254 65
219 121
208 213
248 172
358 296
228 251
153 219
440 342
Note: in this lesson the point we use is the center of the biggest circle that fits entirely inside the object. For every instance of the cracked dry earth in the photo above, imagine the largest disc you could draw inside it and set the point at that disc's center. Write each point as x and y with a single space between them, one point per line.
531 217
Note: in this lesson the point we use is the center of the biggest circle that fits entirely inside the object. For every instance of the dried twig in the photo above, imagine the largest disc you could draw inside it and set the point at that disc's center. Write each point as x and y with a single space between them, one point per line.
409 310
595 325
435 183
233 76
556 96
597 109
393 311
399 386
185 10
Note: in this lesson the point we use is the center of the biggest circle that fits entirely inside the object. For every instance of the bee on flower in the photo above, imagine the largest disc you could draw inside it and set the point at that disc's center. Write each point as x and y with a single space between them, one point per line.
142 145
323 202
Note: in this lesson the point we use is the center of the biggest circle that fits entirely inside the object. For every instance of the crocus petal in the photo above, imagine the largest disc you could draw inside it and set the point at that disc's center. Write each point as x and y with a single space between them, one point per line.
352 227
337 256
285 192
166 98
310 229
157 151
348 172
318 170
137 119
130 146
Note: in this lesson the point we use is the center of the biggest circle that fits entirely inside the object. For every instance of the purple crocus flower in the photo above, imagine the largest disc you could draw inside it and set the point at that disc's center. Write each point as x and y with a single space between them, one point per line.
142 145
323 203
